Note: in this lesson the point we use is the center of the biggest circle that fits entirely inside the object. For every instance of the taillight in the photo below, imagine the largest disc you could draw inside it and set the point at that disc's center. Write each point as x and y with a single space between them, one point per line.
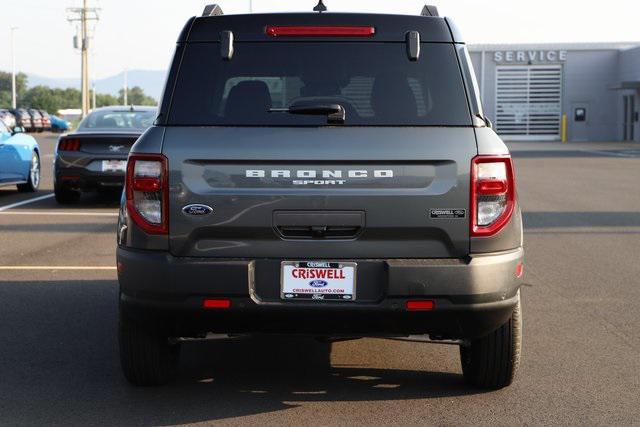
324 31
421 305
147 191
71 144
493 194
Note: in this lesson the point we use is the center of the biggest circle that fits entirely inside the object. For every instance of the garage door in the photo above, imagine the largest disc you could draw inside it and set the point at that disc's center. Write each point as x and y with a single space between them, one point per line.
529 102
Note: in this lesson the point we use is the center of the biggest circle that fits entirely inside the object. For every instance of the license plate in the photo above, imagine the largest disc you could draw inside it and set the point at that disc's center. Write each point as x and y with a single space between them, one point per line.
318 281
114 165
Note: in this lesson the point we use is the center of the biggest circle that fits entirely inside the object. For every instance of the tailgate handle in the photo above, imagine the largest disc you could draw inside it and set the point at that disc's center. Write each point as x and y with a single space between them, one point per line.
318 224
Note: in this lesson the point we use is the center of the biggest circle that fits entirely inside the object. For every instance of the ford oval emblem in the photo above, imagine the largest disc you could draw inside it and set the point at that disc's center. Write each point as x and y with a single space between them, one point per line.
197 210
318 284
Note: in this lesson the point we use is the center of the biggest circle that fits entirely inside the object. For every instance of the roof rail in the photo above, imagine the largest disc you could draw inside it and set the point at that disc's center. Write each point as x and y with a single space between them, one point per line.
320 7
429 10
212 10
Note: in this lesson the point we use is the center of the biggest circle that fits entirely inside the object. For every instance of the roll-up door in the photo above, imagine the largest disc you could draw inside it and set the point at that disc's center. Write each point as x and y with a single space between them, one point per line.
529 102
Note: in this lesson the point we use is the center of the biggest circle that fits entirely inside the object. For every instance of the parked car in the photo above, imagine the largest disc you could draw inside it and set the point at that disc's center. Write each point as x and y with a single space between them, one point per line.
95 155
46 120
23 119
36 119
59 125
330 175
19 159
7 118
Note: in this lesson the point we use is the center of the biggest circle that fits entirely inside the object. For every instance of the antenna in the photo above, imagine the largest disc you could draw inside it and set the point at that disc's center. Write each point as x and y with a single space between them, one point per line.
320 7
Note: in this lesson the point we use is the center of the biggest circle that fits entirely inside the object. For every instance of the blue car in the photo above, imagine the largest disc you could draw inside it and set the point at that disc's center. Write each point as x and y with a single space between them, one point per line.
19 159
59 125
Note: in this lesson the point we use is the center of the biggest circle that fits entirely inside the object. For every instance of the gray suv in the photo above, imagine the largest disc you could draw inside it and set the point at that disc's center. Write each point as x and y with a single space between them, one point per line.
323 174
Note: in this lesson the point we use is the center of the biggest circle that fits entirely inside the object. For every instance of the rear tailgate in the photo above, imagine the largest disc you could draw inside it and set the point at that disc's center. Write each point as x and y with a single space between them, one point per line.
324 193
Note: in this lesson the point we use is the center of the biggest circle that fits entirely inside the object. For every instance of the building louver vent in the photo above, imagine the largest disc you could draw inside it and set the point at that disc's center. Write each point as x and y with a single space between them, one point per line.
529 101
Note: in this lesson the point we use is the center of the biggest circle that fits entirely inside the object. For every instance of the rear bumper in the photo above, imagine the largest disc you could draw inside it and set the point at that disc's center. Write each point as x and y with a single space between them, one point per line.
472 296
89 176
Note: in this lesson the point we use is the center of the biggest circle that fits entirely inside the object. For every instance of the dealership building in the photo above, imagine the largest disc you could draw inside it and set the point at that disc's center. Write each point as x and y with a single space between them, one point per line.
575 92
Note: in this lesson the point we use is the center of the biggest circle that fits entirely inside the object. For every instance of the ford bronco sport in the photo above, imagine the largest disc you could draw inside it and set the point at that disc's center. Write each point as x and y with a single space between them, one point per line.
323 174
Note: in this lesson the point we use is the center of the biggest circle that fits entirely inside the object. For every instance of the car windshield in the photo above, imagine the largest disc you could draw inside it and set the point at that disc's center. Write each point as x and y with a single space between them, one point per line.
375 83
125 119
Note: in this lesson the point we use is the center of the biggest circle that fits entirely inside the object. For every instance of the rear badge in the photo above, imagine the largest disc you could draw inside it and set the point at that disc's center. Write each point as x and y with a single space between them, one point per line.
197 210
448 213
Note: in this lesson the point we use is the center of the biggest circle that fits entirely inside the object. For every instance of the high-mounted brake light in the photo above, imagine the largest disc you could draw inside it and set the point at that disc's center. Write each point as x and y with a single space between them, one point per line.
314 31
493 194
147 192
69 145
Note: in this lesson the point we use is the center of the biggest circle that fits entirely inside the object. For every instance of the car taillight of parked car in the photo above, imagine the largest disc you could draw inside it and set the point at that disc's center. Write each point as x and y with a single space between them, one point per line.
147 192
69 145
493 194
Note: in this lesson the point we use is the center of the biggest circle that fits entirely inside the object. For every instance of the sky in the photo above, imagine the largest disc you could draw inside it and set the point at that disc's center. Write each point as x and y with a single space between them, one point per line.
141 34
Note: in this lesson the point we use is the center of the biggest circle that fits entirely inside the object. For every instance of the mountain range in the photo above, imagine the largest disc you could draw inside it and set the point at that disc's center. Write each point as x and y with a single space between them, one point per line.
151 81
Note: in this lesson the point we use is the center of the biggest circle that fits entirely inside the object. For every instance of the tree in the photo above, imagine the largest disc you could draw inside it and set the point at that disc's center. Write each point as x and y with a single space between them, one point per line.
105 100
136 96
49 99
54 99
5 87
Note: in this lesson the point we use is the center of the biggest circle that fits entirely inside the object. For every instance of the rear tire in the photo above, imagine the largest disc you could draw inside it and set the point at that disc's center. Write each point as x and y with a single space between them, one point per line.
33 182
492 361
65 196
147 357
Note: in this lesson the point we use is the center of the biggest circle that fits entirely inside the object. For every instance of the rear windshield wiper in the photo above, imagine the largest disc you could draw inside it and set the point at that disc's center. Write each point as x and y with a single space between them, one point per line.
335 112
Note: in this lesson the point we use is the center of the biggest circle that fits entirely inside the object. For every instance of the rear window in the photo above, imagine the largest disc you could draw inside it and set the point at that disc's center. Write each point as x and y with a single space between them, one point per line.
125 119
376 84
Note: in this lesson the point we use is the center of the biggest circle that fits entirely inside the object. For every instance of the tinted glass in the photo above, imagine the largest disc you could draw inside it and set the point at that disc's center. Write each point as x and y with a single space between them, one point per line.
376 83
124 119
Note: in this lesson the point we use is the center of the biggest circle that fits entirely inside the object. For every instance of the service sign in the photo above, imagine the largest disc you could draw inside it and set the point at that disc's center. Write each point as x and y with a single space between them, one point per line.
530 56
319 281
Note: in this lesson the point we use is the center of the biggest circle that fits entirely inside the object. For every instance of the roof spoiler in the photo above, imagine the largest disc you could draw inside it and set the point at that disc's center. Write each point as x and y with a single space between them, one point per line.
429 10
212 10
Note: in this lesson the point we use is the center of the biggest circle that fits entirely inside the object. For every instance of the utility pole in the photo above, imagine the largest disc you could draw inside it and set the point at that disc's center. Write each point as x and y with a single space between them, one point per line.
13 69
83 15
250 6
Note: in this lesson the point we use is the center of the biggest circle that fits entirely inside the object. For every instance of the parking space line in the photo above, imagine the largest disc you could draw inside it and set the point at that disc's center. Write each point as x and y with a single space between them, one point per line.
53 213
25 202
54 267
623 154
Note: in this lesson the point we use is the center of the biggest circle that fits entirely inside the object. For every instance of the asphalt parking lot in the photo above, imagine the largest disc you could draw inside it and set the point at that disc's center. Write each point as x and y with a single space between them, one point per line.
581 362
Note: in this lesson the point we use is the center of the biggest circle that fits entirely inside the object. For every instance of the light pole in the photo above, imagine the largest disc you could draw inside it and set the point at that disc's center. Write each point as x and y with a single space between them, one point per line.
250 6
13 69
125 92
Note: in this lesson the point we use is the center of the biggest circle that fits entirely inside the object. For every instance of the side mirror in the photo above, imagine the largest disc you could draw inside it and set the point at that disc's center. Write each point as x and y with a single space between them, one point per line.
16 130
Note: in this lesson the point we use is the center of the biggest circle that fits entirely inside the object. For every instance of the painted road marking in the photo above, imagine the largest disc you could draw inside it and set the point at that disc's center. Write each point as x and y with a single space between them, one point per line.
25 202
621 153
53 267
54 213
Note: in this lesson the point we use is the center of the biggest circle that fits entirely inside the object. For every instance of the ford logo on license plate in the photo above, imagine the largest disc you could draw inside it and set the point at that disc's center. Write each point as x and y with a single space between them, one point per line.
318 283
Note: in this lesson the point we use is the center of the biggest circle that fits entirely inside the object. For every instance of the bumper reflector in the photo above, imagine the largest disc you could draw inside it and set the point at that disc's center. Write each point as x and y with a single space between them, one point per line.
425 305
519 270
216 303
